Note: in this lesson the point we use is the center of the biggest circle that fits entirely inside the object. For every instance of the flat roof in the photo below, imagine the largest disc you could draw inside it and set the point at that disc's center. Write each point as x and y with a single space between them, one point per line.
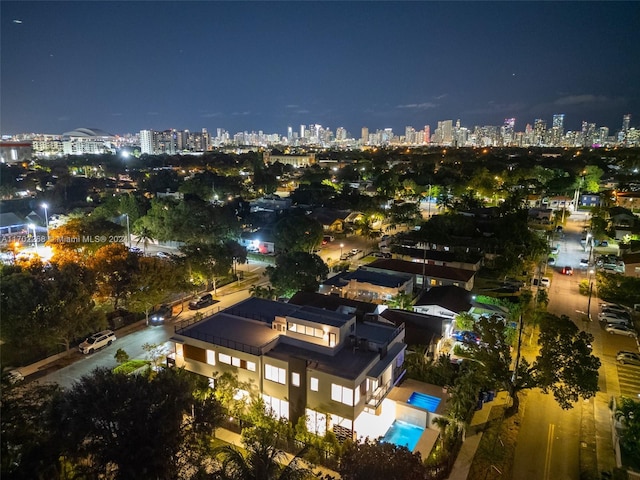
267 310
231 331
348 363
376 333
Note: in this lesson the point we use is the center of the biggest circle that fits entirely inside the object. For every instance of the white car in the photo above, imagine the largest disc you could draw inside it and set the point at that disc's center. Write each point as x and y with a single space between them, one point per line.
620 330
545 282
163 255
97 341
613 307
613 320
631 358
554 251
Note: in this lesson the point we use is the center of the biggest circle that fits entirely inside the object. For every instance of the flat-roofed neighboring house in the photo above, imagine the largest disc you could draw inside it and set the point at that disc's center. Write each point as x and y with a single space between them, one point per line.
301 360
420 329
445 302
368 285
431 275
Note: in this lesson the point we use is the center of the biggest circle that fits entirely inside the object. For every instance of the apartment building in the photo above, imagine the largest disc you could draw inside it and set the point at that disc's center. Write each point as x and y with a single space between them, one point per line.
302 360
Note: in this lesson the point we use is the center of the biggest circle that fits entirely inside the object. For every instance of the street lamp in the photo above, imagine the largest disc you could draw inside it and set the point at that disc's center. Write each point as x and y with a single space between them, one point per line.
341 247
128 233
46 218
35 236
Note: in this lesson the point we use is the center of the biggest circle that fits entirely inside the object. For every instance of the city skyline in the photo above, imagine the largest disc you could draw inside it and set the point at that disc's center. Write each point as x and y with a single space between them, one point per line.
126 67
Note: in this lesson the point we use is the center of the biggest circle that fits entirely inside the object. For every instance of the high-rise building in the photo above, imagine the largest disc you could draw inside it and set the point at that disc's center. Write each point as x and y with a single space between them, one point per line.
427 134
558 122
147 141
364 136
626 120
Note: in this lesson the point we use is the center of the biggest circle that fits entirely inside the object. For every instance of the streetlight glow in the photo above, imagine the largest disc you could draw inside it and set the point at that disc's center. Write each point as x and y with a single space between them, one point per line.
35 236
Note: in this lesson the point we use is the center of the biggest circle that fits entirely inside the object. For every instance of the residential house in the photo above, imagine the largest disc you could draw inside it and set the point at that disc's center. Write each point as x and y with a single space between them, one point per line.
331 220
368 285
632 264
303 361
260 241
453 259
426 274
589 199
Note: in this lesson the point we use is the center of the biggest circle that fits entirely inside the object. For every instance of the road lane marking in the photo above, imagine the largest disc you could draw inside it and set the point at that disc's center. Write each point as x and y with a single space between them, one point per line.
547 459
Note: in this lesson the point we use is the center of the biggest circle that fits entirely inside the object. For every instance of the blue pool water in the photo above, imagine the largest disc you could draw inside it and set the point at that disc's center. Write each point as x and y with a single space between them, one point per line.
403 434
422 400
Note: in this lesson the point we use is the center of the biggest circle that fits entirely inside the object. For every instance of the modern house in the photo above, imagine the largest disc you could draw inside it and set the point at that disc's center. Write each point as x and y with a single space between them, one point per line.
368 285
302 361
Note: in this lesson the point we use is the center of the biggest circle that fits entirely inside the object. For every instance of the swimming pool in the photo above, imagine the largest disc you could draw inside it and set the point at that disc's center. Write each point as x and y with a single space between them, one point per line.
403 434
422 400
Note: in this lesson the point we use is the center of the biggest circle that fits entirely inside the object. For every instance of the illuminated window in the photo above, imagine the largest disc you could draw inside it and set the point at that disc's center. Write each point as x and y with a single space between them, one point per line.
295 379
314 384
275 374
251 366
211 357
224 358
235 362
342 394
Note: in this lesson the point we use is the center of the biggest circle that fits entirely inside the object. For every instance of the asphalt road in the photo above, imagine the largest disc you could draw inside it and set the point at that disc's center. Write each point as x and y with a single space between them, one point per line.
549 442
70 369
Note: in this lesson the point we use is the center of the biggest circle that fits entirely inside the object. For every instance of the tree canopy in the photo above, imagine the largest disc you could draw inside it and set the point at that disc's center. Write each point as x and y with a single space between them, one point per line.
297 271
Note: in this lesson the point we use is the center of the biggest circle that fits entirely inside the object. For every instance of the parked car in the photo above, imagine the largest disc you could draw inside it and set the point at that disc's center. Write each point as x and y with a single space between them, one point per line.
554 251
137 250
584 262
163 255
567 270
355 251
551 261
615 313
466 336
162 314
620 330
545 282
97 341
613 307
201 301
613 319
631 358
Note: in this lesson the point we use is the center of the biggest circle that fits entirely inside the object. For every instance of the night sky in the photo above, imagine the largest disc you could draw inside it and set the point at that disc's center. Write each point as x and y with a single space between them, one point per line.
123 67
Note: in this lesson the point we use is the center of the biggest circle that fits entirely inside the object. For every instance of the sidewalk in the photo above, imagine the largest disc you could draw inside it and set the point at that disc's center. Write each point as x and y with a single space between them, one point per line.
463 462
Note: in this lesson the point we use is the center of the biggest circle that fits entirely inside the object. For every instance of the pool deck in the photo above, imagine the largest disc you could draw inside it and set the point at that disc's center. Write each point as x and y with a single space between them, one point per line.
401 393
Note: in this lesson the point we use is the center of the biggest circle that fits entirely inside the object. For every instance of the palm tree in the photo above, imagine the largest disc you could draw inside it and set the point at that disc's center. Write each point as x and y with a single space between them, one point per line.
145 235
403 301
442 423
263 461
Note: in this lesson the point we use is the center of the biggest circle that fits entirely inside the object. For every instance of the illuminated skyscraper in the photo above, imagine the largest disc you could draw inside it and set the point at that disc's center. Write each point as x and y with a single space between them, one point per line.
558 121
626 120
427 134
364 136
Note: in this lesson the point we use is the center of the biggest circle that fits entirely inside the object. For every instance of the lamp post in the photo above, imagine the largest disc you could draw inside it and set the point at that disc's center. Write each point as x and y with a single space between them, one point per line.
590 294
35 236
128 233
429 203
341 247
46 218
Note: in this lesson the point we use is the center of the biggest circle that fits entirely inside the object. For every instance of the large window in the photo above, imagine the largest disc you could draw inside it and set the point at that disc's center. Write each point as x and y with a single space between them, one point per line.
279 408
224 358
275 374
316 422
295 379
341 394
306 330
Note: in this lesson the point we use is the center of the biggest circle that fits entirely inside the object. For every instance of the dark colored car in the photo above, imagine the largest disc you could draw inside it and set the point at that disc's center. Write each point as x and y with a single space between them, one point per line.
201 301
161 315
466 336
